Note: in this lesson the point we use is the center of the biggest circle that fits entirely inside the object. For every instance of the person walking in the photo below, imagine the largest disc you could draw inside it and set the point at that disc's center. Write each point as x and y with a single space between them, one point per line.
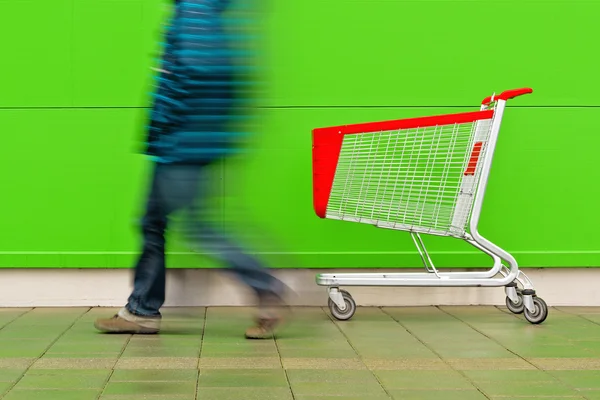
201 93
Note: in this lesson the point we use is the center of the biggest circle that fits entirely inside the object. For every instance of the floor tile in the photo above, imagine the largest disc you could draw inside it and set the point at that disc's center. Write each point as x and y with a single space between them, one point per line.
338 389
5 386
564 350
147 397
490 364
368 357
372 396
74 363
154 375
239 363
516 389
16 363
323 363
432 380
270 393
64 379
23 348
159 351
88 346
515 376
241 349
406 364
157 363
323 343
242 378
591 395
31 333
565 364
538 398
579 379
11 375
84 394
395 349
8 315
437 394
318 353
106 356
150 388
163 341
330 376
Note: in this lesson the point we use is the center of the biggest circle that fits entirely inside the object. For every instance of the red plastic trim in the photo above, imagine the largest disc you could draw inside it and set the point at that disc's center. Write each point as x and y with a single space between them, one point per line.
327 144
472 166
409 123
508 94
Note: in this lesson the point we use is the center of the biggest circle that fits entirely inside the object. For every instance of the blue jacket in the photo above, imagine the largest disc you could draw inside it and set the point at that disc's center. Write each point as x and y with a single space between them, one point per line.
198 96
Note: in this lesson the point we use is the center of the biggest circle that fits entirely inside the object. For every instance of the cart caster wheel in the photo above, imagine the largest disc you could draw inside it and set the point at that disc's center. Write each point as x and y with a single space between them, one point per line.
518 307
343 315
540 314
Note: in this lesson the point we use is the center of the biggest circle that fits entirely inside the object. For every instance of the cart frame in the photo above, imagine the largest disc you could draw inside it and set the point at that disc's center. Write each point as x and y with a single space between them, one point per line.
520 294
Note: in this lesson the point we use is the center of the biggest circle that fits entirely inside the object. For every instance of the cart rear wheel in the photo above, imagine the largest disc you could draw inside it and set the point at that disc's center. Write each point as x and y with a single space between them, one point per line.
343 315
540 313
518 307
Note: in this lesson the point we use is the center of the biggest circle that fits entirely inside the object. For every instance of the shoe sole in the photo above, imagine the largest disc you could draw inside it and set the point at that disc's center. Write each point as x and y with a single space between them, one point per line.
125 331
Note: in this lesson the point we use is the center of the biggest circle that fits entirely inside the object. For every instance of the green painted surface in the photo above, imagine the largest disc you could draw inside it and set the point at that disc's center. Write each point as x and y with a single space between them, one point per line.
383 353
73 184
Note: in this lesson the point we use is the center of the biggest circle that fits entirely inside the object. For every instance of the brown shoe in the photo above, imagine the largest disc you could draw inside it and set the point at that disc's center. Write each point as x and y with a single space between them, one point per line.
264 328
272 309
127 323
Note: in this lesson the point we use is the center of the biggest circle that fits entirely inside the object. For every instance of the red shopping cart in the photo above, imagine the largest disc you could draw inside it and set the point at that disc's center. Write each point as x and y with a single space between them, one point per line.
425 176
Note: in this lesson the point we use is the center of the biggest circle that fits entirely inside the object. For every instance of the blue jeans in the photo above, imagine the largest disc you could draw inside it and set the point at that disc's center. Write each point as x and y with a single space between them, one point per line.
178 188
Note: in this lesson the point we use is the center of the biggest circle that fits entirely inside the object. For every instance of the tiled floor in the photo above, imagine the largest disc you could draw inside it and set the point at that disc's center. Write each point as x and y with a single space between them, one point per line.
425 353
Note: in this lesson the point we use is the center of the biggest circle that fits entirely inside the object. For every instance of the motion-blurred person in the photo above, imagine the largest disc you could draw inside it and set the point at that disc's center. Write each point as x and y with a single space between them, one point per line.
204 79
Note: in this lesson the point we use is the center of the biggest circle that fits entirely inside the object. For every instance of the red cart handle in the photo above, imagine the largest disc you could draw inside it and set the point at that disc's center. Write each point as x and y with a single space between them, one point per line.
507 95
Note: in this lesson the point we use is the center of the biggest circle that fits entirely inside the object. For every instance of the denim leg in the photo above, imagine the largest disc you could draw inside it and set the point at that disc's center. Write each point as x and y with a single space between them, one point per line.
149 283
246 267
175 188
208 237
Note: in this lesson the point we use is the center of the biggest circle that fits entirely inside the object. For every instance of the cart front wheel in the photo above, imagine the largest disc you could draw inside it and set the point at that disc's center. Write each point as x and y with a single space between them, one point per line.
348 312
518 307
540 313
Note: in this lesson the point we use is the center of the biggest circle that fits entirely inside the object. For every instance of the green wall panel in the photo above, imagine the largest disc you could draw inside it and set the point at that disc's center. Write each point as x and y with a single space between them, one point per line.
432 52
73 188
75 76
319 52
113 44
36 53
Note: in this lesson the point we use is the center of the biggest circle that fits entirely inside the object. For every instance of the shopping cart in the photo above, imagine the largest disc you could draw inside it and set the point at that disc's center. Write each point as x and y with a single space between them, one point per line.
424 176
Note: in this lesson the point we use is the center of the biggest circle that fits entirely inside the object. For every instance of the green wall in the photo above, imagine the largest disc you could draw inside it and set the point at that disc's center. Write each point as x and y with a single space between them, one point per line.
72 95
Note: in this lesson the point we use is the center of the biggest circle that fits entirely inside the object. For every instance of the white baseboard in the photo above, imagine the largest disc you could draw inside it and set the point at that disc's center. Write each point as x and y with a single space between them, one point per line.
206 287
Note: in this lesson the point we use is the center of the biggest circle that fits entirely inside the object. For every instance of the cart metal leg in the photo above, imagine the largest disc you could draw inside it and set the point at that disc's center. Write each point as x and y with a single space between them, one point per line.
518 300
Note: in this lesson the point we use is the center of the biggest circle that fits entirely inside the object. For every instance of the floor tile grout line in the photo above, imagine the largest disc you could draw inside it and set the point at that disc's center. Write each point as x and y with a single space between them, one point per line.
17 317
360 357
462 373
287 377
490 338
585 319
112 370
509 350
577 315
44 352
200 353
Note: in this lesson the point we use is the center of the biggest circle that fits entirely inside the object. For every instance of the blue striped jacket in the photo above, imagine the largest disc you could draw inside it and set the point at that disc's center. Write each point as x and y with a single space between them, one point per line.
204 76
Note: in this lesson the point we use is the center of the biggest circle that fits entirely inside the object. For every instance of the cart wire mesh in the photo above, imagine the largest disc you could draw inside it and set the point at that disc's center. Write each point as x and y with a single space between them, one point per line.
410 179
